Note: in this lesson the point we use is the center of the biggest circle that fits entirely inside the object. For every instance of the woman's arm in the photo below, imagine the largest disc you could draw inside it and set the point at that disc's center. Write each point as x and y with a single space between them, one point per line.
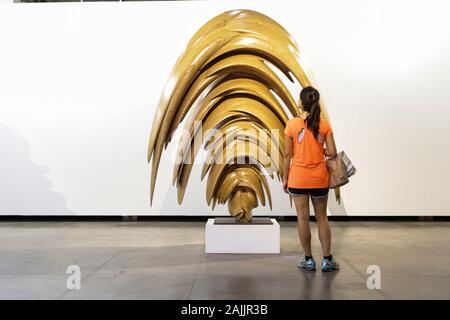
287 160
330 146
331 151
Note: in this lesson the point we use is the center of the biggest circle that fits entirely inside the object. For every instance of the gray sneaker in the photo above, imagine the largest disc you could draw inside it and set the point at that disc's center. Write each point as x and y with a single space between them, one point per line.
329 265
309 265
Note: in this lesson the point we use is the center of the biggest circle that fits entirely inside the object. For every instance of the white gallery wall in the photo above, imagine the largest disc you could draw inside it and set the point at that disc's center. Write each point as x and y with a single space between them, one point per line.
80 82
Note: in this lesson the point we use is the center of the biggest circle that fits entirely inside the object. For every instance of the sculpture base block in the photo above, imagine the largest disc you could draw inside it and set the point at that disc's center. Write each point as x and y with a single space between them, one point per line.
235 237
232 220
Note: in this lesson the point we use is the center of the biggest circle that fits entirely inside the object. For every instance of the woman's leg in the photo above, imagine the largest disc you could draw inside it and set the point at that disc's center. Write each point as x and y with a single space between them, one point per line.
304 233
320 211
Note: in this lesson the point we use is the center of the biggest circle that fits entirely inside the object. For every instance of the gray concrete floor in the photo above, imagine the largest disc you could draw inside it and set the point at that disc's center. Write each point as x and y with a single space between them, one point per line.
166 260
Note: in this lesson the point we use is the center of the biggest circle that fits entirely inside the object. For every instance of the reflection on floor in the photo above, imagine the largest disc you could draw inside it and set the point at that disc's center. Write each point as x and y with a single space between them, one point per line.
166 260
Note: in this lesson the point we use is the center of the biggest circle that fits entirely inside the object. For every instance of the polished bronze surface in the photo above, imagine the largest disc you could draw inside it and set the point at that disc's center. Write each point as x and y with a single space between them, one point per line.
227 87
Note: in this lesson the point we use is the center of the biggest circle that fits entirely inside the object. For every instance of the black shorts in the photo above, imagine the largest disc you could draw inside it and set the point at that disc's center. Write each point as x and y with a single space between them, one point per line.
313 192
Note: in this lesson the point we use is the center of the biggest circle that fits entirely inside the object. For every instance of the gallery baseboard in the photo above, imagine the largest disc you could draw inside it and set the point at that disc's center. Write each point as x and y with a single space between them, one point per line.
135 218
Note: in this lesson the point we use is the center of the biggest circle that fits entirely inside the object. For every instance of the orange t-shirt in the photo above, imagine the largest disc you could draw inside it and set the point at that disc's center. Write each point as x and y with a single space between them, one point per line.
308 168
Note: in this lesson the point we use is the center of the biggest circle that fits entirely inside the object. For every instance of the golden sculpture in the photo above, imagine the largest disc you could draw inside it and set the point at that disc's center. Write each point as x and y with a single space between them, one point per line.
225 81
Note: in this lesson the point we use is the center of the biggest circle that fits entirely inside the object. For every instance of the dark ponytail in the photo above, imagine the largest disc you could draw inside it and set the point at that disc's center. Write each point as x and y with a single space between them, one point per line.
310 97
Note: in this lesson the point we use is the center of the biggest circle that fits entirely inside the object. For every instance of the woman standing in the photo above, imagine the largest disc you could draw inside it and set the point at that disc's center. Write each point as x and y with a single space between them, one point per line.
306 175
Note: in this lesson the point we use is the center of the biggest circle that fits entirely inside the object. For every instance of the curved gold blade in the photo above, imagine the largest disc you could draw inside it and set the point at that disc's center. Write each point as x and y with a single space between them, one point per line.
238 127
217 23
182 170
219 169
181 77
227 134
246 180
184 71
242 176
247 73
227 109
253 147
241 204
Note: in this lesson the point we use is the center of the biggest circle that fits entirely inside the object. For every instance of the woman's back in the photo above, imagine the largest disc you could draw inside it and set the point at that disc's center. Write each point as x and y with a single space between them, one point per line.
308 150
308 160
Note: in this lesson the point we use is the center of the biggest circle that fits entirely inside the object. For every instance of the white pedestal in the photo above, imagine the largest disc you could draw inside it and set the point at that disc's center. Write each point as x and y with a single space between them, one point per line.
242 238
